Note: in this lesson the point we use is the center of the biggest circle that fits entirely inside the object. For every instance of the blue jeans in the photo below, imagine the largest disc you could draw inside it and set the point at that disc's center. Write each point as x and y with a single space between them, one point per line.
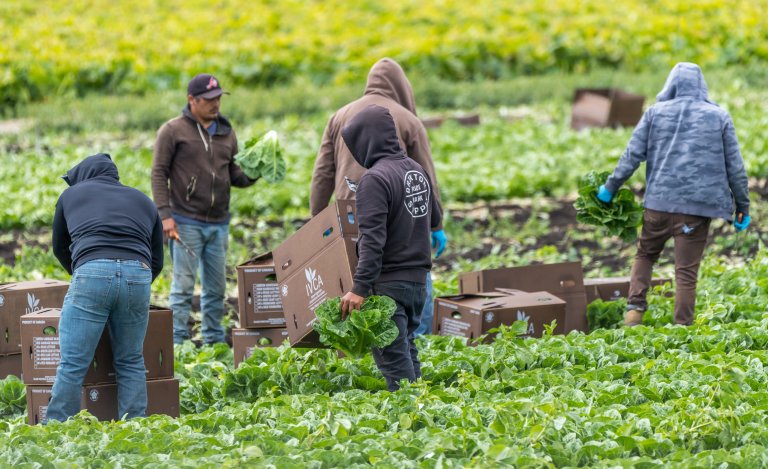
209 244
400 359
103 292
425 327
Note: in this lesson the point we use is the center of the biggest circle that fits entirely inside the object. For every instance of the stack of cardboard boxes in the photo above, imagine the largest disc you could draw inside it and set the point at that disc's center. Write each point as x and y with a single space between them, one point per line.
279 292
17 299
536 293
262 322
41 355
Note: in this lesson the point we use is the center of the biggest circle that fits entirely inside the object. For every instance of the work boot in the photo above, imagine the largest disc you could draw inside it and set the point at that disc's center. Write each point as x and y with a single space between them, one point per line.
633 318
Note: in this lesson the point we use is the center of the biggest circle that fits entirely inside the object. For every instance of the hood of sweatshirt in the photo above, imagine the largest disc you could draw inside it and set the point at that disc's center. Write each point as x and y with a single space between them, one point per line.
371 135
99 165
223 126
388 79
685 80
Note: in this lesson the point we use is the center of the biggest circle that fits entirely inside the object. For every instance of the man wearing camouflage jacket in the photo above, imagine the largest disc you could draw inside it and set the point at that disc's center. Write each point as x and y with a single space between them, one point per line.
694 173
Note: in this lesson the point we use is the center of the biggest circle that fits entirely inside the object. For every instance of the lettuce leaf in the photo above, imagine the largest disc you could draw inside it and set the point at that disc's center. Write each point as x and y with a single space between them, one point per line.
619 218
263 158
362 330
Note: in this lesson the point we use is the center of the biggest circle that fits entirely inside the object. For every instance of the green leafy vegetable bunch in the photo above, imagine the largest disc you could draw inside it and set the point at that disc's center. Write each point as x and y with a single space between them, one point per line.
620 218
362 330
263 158
606 314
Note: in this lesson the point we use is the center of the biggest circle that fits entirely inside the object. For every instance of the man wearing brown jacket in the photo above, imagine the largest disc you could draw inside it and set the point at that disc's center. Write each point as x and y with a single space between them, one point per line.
336 170
193 169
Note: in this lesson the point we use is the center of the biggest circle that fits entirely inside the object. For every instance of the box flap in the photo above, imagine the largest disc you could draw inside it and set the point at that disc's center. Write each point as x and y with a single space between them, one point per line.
556 278
604 281
31 284
336 221
43 313
261 259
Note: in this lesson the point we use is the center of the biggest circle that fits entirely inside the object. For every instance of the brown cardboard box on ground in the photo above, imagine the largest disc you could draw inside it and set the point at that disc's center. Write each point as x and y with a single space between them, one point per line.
314 264
40 342
245 340
564 280
100 400
612 288
10 365
20 298
258 295
472 315
605 107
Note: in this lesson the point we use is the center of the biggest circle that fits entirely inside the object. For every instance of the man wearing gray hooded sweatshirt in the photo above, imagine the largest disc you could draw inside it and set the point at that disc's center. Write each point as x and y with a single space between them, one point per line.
694 172
337 172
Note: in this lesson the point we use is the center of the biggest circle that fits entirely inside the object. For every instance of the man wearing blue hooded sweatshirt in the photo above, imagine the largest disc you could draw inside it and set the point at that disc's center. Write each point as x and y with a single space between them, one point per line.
110 238
694 172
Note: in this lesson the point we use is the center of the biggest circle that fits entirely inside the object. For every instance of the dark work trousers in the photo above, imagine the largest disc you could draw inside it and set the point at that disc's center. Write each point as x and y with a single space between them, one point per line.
690 234
400 359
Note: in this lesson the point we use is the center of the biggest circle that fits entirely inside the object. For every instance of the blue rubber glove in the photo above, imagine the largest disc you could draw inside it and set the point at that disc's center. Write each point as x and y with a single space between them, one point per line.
603 195
439 241
745 220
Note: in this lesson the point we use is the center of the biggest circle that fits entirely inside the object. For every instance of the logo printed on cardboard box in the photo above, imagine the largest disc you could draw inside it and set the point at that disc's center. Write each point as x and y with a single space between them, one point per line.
314 281
315 288
522 316
33 304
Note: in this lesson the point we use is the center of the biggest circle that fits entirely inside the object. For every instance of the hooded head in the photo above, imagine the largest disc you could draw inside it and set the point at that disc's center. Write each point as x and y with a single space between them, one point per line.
93 166
685 80
371 136
388 79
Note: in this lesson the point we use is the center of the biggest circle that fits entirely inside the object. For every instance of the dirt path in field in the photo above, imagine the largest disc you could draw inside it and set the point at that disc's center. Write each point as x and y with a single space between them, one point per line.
560 230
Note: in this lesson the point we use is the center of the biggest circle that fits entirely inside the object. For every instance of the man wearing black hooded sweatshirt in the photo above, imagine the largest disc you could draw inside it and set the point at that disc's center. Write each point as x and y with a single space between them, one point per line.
110 238
396 210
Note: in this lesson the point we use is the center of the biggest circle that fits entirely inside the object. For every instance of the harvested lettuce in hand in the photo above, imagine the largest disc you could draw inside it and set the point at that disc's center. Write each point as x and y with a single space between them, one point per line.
362 330
263 158
620 217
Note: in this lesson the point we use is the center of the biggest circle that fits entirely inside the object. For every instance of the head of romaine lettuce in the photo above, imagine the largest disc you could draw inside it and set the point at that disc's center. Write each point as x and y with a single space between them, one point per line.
362 330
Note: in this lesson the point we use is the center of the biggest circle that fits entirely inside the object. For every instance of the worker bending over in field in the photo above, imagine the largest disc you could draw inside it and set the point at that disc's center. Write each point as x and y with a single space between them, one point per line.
694 173
396 210
337 171
110 238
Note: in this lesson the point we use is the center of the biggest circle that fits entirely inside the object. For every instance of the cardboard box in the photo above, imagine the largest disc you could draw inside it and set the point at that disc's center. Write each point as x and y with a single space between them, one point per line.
564 280
472 315
18 299
245 340
10 365
316 263
605 107
40 342
100 400
612 288
258 295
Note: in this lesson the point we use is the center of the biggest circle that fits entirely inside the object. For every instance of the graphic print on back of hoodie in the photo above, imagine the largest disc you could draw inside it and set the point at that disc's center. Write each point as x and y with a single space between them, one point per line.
417 193
396 206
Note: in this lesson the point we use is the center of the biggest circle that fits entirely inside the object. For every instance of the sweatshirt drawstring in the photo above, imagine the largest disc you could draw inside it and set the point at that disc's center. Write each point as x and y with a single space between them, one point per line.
200 131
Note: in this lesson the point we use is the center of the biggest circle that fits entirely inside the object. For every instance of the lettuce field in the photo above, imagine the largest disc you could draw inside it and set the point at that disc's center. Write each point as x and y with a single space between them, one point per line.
85 77
78 47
